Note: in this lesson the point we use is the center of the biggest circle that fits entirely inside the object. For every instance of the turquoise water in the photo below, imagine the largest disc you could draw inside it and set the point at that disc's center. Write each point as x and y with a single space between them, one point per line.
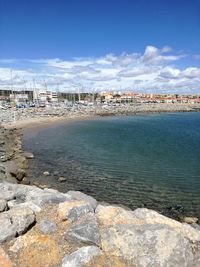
139 161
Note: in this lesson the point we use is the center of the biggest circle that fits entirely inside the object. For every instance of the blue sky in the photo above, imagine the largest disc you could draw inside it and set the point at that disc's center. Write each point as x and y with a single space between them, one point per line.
137 45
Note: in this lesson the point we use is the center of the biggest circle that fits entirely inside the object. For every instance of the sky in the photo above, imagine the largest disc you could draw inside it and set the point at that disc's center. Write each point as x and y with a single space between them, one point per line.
148 46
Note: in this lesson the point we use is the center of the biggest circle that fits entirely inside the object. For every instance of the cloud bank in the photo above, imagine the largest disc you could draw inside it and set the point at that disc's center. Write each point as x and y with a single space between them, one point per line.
155 70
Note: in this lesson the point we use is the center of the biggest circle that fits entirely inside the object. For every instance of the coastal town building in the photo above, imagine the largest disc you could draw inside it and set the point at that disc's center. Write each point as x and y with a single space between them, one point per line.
45 96
8 95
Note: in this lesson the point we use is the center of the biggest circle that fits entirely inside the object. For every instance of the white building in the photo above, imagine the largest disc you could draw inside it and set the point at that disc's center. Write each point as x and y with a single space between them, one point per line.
45 96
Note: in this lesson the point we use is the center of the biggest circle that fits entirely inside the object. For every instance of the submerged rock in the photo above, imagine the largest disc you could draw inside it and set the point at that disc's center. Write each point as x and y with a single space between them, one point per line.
28 155
46 173
190 220
62 179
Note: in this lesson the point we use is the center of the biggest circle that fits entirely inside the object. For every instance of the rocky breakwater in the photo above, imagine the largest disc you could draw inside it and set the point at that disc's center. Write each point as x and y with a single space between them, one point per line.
13 161
48 228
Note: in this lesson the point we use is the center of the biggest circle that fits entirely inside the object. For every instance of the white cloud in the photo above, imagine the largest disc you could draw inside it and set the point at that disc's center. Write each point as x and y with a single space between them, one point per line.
150 71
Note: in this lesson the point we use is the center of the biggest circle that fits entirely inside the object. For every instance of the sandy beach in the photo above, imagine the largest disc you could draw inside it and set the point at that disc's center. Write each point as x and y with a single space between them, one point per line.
41 117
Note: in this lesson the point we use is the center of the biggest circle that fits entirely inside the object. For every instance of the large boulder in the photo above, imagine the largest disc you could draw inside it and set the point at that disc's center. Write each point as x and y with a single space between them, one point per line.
111 215
81 257
73 210
147 238
22 219
28 204
77 195
86 230
47 198
36 250
7 194
15 222
7 229
147 216
148 245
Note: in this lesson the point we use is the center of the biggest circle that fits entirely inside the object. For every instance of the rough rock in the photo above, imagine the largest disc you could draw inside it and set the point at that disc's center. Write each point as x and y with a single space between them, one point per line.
28 204
15 221
47 198
148 245
21 218
16 172
4 259
47 226
6 194
73 210
86 230
7 229
36 250
3 205
110 216
152 217
81 257
77 195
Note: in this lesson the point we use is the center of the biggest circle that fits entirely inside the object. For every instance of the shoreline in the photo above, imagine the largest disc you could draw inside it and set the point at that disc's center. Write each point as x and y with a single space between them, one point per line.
45 227
45 120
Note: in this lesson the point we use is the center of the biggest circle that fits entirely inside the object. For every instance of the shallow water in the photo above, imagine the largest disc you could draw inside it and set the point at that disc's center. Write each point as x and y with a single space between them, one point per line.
139 161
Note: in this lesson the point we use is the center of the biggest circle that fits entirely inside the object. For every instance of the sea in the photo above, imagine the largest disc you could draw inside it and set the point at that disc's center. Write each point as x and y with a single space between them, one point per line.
149 160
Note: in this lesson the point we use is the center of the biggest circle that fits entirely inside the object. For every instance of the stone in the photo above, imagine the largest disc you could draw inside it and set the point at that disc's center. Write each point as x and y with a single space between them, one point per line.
73 210
6 194
110 216
46 173
86 230
147 216
22 219
113 215
109 261
62 179
15 170
25 181
47 198
3 205
37 250
77 195
7 229
81 257
27 204
47 226
28 155
190 220
4 259
21 174
148 245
